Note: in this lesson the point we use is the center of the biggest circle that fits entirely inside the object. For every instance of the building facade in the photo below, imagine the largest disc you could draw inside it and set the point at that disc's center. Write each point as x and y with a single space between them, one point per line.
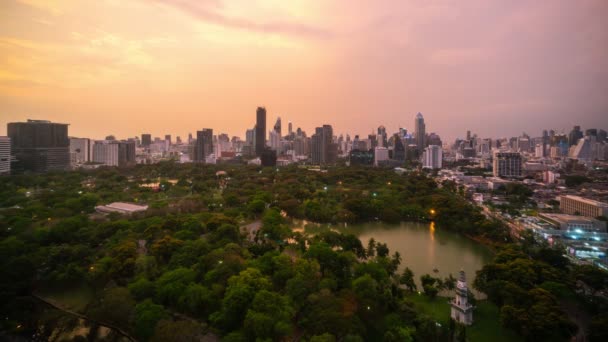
507 164
204 145
420 132
80 151
575 205
260 130
432 157
5 155
39 145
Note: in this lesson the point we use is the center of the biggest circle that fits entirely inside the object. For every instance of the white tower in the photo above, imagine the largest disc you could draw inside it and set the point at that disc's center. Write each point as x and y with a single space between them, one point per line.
462 311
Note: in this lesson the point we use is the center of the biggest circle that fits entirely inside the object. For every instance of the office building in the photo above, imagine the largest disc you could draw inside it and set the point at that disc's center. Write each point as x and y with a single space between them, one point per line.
361 157
432 157
575 135
5 155
575 205
574 224
260 130
146 140
204 145
324 151
507 164
168 138
114 153
380 155
274 139
80 151
420 128
39 145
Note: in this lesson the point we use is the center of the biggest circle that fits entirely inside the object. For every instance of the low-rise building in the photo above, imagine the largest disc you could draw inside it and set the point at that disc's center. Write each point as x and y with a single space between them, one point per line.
576 205
121 208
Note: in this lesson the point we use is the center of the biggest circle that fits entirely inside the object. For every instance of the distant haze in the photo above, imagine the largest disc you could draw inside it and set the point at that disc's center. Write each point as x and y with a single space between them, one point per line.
497 68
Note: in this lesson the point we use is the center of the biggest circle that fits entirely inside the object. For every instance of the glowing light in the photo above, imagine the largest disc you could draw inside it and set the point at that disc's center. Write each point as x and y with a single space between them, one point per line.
432 211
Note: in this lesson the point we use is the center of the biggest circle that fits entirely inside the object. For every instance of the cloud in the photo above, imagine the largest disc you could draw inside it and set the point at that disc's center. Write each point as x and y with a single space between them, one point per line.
459 56
210 11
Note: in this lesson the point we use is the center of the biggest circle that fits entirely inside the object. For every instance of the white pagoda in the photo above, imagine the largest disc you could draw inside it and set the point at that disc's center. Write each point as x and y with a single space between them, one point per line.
462 311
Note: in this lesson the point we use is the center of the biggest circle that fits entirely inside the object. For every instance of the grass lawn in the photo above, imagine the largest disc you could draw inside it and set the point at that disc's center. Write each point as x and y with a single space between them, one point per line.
75 299
486 321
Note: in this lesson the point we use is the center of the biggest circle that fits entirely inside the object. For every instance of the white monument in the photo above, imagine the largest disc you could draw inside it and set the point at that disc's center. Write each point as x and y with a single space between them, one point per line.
462 311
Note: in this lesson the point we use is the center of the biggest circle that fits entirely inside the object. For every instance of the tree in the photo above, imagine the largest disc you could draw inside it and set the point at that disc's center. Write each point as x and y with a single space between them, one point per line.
147 314
407 279
114 306
177 331
269 317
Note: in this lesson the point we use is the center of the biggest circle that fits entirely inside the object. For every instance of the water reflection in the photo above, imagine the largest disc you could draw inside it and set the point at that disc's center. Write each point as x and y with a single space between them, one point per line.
424 247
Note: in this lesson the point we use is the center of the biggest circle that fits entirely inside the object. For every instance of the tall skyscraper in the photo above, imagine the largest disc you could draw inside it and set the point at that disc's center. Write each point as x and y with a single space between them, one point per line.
204 145
382 137
575 135
289 128
260 130
277 126
168 138
324 151
5 155
40 145
420 132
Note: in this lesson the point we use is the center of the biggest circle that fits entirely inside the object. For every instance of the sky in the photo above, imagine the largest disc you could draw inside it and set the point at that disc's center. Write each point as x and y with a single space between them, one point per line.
126 67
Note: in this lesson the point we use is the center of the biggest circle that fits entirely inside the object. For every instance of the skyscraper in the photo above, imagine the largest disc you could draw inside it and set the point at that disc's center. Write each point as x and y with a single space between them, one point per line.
114 152
324 151
80 150
5 155
420 132
204 145
277 126
40 145
289 128
575 135
382 137
168 138
260 130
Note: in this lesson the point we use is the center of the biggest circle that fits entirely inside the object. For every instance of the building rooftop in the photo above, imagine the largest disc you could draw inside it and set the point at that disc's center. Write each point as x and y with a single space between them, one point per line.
567 218
121 207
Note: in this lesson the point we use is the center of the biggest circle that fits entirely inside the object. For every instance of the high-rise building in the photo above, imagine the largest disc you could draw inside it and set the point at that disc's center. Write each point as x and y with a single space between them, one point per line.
420 132
432 157
39 145
380 155
5 155
398 148
277 126
382 137
114 152
204 145
290 128
575 135
168 138
260 130
80 150
146 140
507 164
324 151
274 138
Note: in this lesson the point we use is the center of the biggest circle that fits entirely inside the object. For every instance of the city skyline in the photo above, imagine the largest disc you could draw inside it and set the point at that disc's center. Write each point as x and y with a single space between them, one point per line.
493 68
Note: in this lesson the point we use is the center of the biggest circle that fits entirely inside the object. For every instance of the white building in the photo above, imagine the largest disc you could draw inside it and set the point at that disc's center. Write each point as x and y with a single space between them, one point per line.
380 155
432 157
5 155
275 140
80 150
105 152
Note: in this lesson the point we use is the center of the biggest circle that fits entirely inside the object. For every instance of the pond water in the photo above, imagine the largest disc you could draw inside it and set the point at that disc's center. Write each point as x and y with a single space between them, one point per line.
423 247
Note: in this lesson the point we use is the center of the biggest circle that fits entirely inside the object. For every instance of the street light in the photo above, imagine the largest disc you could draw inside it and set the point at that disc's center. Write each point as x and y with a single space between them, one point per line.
432 211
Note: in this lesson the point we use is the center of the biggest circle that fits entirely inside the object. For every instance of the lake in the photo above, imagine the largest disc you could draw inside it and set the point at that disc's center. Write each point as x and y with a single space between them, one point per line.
422 246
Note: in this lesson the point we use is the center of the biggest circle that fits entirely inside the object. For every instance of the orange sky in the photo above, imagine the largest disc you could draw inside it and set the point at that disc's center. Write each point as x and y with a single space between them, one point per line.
126 67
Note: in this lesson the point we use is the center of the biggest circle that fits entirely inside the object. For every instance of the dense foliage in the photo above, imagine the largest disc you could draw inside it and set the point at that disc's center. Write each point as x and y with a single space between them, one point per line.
184 267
